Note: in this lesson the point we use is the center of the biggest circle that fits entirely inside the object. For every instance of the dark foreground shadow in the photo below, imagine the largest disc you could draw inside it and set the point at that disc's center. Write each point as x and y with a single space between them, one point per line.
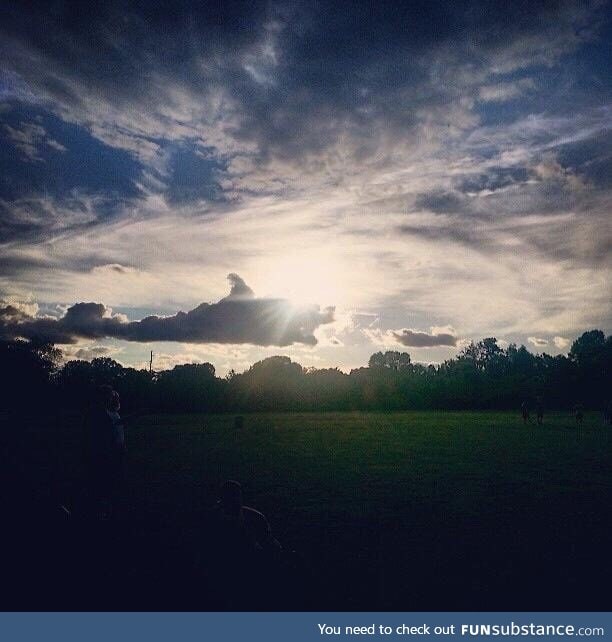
519 554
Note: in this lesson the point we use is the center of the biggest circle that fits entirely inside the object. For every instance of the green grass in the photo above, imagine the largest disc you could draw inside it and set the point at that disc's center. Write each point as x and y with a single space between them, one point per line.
392 510
367 464
363 495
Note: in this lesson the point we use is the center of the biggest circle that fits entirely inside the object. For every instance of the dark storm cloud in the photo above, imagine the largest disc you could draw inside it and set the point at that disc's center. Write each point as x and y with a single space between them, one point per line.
118 94
82 320
294 75
385 62
11 314
240 317
415 339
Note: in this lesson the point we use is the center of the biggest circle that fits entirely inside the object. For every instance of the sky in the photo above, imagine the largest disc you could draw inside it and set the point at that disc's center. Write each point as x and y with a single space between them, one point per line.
229 181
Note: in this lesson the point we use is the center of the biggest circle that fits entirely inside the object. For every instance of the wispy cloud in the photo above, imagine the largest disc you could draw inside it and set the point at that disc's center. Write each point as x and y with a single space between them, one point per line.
29 138
450 167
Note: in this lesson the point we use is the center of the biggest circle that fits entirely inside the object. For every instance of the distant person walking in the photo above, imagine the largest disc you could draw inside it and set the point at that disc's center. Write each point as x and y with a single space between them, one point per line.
525 412
579 413
107 450
540 411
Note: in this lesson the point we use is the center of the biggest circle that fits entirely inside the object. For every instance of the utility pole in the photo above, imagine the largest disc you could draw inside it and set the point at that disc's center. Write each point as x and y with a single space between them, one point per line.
151 363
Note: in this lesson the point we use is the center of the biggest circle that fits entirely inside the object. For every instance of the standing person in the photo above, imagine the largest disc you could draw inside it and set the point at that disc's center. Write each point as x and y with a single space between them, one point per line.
525 412
107 451
540 411
579 413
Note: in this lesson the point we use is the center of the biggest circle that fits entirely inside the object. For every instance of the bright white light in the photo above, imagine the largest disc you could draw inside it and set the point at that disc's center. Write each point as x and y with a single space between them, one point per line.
304 277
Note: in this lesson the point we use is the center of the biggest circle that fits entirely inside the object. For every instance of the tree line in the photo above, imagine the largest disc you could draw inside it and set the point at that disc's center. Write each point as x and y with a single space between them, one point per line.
483 375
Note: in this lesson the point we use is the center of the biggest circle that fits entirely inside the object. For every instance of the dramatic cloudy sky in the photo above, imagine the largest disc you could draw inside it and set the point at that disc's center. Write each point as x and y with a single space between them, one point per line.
402 175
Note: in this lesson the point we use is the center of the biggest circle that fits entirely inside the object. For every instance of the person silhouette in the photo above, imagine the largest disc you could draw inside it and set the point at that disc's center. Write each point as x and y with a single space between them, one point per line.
525 411
540 411
243 526
579 413
107 450
239 554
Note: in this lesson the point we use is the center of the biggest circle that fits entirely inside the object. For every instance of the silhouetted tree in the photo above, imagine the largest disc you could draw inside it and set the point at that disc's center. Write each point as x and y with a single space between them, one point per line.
191 387
482 375
592 354
26 368
392 360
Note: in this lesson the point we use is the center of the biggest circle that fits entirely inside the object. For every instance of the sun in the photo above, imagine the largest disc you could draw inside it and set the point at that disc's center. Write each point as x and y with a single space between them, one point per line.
304 277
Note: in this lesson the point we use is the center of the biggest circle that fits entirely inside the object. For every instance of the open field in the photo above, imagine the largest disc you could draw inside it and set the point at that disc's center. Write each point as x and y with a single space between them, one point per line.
399 511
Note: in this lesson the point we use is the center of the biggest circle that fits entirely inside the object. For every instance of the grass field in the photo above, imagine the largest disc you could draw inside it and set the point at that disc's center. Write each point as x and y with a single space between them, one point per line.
399 511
